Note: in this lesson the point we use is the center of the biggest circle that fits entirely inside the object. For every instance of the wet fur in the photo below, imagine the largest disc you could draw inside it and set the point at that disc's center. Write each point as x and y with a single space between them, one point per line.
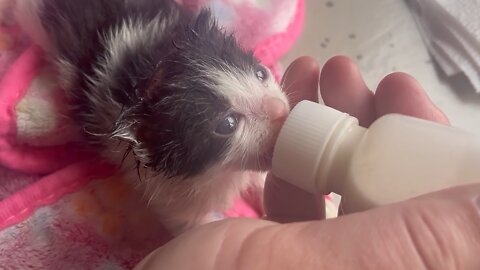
147 83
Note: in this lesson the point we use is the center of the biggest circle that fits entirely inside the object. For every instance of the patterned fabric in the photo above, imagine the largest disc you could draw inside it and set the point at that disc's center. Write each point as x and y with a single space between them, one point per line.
60 206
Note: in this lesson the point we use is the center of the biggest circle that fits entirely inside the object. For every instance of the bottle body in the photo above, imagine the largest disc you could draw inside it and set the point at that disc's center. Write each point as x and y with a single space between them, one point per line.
322 150
400 157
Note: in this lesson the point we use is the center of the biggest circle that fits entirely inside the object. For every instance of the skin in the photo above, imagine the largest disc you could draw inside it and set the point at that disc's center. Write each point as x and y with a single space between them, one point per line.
435 231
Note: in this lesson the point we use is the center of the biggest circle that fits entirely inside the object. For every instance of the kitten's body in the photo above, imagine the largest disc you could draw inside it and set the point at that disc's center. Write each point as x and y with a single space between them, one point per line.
193 111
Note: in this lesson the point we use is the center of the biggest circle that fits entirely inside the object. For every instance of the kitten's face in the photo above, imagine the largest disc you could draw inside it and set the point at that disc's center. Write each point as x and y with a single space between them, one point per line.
258 109
205 114
209 104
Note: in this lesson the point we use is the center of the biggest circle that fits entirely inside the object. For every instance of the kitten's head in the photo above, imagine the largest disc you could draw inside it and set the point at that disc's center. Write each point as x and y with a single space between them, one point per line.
207 104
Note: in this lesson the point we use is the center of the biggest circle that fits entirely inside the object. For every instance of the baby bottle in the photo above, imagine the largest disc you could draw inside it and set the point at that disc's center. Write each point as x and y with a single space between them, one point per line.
322 150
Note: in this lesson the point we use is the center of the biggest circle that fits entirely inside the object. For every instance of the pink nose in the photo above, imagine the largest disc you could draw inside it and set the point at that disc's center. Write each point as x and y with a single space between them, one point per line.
275 108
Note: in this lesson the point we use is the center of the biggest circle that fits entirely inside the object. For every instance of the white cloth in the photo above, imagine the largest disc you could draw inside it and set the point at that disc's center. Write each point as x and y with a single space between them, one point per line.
451 31
382 37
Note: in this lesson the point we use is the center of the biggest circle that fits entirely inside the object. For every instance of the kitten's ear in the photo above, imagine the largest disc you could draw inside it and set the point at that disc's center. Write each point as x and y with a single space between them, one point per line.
28 16
205 22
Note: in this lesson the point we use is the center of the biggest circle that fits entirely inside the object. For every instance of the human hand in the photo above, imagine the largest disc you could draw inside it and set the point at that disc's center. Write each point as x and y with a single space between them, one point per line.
435 231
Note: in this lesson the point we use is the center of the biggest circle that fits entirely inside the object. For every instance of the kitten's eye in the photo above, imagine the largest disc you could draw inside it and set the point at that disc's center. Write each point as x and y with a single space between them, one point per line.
261 74
227 125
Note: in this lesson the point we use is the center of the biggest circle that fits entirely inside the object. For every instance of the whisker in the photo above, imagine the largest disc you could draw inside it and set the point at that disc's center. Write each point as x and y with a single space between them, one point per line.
125 155
284 76
154 194
146 172
294 95
243 163
285 89
138 171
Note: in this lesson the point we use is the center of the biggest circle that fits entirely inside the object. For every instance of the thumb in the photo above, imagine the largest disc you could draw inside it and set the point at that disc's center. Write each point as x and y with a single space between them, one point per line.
436 231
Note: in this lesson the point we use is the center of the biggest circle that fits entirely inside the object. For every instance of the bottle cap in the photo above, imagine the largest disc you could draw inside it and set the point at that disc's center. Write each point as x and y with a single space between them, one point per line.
302 141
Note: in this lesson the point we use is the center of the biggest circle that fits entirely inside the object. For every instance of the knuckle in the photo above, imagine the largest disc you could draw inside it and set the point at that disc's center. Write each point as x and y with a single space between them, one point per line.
442 233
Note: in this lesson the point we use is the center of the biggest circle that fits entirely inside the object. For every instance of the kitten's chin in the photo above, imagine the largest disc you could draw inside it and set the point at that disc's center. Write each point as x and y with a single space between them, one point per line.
265 163
260 163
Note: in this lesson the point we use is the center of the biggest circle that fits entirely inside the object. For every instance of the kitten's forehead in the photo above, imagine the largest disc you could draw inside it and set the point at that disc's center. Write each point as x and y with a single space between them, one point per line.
203 40
243 89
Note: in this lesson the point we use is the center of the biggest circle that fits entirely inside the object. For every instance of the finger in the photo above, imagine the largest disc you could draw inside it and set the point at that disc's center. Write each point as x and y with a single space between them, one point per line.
202 248
342 87
400 93
437 231
300 81
286 203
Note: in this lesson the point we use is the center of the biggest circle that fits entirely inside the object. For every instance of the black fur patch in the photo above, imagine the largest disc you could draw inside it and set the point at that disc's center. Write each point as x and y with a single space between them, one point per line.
157 88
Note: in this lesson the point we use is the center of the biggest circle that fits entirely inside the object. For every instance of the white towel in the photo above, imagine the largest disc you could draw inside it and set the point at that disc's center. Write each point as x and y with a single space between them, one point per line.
451 31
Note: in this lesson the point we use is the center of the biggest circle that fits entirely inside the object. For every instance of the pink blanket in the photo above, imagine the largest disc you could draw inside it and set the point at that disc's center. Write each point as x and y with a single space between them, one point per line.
60 206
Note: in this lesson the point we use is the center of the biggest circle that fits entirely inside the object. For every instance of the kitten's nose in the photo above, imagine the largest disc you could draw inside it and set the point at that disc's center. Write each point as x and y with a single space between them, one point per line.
275 108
